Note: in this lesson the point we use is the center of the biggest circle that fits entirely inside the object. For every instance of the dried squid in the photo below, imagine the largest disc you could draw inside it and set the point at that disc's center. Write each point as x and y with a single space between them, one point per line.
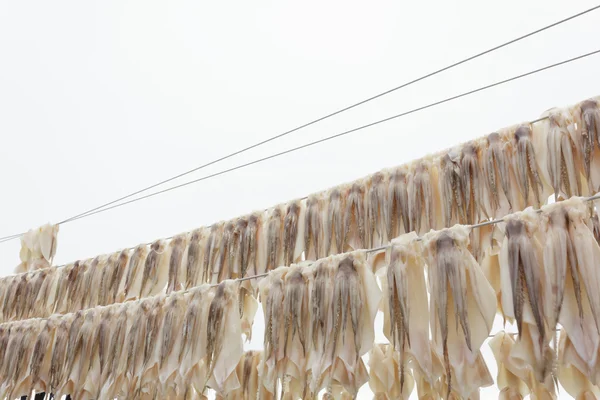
194 257
496 170
378 218
155 273
313 227
133 276
177 252
587 138
522 288
455 277
225 258
406 315
354 303
557 152
223 338
355 218
421 197
293 232
383 375
397 202
334 223
211 251
274 238
527 175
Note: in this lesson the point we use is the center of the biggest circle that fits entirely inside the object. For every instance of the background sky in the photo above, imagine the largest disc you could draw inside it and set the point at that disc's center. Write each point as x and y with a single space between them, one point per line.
98 99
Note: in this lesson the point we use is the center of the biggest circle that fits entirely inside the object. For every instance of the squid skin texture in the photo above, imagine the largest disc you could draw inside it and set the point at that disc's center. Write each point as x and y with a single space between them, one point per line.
355 209
274 231
312 226
398 203
377 211
590 132
290 229
497 171
526 165
522 267
334 225
470 182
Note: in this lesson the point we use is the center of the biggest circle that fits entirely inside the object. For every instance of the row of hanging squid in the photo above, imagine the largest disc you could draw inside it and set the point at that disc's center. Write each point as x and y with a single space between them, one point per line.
538 269
177 346
486 178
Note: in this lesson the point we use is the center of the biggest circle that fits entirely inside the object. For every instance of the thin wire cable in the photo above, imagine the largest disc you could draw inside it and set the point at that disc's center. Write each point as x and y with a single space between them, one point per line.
456 64
448 99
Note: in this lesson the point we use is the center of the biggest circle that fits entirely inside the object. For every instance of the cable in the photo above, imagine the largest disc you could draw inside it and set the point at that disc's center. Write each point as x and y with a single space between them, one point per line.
339 135
448 99
337 112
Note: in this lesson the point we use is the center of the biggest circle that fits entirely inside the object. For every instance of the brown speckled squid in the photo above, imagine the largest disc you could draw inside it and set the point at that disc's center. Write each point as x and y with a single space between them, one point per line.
313 227
211 251
226 254
526 168
523 296
496 171
334 223
451 188
177 249
355 219
558 154
587 138
378 217
274 238
194 257
293 231
155 272
454 276
421 197
133 276
471 183
397 202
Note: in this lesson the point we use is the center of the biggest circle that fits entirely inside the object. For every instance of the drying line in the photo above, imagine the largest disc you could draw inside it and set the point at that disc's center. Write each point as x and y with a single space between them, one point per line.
393 117
428 75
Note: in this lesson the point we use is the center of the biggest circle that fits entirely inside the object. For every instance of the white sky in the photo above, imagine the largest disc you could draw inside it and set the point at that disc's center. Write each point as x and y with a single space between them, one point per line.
98 99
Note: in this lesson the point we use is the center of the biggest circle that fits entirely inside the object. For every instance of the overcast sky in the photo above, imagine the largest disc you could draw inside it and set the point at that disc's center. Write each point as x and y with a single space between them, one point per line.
98 99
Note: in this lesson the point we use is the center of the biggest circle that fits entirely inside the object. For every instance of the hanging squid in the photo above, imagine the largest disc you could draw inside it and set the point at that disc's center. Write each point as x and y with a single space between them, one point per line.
496 170
528 178
455 276
274 238
293 232
587 138
559 153
154 275
194 259
211 251
133 277
177 249
334 223
355 220
421 197
397 202
378 218
313 226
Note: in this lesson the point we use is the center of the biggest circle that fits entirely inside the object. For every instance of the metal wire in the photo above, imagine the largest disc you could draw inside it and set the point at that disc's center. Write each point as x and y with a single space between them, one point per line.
456 64
340 134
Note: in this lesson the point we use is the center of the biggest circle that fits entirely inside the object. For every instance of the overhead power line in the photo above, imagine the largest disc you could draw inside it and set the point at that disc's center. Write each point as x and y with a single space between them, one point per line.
315 121
338 135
